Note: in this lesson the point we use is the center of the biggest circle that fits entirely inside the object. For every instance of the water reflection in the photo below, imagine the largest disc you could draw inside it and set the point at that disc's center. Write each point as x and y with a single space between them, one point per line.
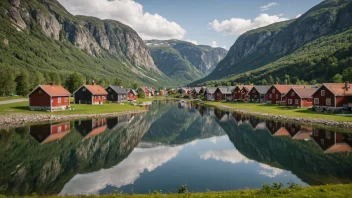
170 145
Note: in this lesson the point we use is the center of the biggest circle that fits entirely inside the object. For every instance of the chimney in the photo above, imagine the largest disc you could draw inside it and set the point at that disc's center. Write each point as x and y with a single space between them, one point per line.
347 85
93 82
51 84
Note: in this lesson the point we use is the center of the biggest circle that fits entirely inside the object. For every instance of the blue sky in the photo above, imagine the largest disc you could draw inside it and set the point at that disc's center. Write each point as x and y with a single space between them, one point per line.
192 20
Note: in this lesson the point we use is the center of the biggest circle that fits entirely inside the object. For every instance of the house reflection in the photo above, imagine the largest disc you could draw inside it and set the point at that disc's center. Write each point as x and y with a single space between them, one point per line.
332 142
276 128
114 124
91 128
49 132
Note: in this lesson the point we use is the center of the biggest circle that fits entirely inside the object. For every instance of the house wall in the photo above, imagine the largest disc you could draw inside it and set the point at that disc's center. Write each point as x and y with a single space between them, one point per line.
244 95
147 93
131 96
218 95
236 93
322 99
39 98
83 96
99 99
293 98
65 101
273 97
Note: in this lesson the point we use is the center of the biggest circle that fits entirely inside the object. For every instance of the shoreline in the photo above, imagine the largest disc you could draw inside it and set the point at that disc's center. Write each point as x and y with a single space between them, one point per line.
321 122
20 119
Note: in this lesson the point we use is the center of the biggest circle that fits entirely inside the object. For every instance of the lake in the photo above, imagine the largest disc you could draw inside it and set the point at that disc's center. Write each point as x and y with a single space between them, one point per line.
170 145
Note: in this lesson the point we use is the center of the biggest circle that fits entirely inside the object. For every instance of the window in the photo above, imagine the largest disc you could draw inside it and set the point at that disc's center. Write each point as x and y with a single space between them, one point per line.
328 101
40 91
289 101
103 97
84 89
270 96
316 101
59 129
292 93
273 91
59 100
322 92
99 97
315 133
66 126
277 96
327 135
296 101
322 142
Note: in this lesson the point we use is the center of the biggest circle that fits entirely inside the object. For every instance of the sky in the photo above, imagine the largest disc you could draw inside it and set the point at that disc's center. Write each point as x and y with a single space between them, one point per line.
217 23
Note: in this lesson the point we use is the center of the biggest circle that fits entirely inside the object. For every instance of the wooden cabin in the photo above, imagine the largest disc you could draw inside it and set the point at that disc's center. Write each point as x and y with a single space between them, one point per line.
209 93
276 93
299 97
49 132
195 92
49 97
132 94
116 93
236 93
258 93
223 93
90 94
245 91
333 96
146 91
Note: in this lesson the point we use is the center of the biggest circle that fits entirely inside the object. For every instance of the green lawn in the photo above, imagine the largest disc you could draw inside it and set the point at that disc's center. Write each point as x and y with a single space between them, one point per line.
22 107
10 98
154 98
281 110
336 191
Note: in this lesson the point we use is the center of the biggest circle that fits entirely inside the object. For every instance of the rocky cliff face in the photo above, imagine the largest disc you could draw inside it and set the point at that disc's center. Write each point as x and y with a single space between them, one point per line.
259 47
94 36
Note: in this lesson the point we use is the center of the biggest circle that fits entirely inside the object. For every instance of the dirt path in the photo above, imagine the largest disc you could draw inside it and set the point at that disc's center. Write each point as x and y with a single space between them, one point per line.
13 101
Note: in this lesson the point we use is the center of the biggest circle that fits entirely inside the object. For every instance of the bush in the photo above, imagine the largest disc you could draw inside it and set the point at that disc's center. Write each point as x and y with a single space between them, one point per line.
183 189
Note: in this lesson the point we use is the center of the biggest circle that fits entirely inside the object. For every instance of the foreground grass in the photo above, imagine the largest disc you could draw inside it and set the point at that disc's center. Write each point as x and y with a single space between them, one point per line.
342 191
22 107
281 110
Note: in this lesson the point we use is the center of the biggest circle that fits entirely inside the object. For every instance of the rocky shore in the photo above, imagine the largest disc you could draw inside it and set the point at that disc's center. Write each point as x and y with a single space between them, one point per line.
330 123
17 120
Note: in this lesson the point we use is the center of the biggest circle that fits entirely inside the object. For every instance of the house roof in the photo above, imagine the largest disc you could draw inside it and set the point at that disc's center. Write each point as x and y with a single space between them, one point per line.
303 134
303 92
53 90
285 88
239 86
262 89
96 89
339 89
196 89
118 89
248 87
225 90
133 91
210 90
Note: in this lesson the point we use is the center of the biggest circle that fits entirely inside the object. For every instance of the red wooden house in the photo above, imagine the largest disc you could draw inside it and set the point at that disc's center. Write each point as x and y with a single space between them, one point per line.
132 94
275 93
49 132
299 97
90 94
146 91
236 93
223 93
258 93
49 97
195 92
245 91
334 96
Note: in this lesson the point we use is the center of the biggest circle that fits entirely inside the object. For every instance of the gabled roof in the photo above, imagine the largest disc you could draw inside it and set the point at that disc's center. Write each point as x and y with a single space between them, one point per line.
96 89
133 91
247 87
210 90
338 89
262 89
196 89
238 86
118 89
53 90
303 92
283 89
225 90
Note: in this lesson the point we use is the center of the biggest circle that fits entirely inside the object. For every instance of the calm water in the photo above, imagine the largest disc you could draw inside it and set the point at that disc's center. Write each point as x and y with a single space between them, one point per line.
170 145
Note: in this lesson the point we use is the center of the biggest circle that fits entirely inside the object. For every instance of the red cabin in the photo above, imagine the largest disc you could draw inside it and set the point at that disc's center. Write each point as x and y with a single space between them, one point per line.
223 93
300 97
244 92
275 94
258 93
90 94
146 90
236 93
49 97
333 95
132 95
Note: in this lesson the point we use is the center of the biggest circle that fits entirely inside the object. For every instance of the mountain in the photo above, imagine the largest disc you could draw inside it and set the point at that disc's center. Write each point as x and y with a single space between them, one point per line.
296 47
41 35
184 60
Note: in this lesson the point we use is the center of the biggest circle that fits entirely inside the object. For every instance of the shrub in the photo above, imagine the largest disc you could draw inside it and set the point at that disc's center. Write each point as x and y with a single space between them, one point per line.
183 189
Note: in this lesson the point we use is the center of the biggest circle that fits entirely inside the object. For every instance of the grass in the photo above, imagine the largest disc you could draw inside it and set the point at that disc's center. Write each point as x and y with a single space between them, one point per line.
281 110
335 191
10 98
154 98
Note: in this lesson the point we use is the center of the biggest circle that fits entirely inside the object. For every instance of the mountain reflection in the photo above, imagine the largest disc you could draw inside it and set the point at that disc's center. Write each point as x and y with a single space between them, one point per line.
187 142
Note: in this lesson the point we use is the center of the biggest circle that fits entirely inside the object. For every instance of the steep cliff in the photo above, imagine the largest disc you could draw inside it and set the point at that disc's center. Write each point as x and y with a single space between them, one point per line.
259 47
189 61
107 48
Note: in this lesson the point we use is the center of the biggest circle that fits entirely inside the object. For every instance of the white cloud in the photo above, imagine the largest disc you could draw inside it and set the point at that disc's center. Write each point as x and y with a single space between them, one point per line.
192 41
214 44
269 171
126 172
233 156
238 26
299 15
268 6
225 47
129 12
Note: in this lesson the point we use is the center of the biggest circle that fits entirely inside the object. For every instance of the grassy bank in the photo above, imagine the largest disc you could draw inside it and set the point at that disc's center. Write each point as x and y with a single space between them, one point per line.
342 191
280 110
